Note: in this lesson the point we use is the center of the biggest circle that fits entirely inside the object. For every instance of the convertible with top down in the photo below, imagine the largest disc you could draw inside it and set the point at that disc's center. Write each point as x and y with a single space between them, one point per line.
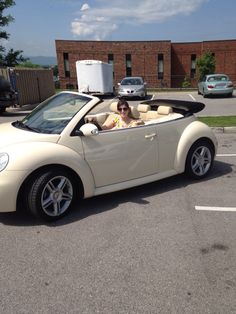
59 153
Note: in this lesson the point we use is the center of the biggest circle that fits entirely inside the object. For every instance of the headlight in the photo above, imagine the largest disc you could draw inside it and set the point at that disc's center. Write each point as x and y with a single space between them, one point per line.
4 158
140 89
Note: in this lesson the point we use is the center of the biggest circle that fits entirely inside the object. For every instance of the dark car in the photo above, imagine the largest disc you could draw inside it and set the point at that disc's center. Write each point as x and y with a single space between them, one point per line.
7 94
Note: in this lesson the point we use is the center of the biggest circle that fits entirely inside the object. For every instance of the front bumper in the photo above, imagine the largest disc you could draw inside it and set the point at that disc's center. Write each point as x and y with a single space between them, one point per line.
131 93
10 182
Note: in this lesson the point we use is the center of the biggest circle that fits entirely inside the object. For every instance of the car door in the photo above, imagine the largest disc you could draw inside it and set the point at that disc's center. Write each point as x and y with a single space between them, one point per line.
120 155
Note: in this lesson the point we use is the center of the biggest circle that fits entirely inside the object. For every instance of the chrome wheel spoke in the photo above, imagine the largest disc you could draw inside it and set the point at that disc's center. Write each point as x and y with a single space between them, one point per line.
57 196
47 202
201 160
66 197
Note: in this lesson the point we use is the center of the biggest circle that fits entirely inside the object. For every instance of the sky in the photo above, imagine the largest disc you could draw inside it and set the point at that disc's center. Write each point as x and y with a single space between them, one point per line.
38 23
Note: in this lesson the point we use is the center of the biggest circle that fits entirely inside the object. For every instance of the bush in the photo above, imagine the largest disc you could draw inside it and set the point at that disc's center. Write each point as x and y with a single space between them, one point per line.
186 83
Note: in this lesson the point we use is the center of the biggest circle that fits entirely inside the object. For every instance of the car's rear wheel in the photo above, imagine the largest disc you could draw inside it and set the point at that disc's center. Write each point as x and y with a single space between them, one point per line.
51 194
200 159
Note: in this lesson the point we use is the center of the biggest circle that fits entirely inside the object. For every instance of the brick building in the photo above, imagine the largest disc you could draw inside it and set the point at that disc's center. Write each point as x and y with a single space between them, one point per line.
160 63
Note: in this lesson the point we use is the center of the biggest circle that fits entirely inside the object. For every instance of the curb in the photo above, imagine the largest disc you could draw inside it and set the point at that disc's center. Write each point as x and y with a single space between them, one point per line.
227 130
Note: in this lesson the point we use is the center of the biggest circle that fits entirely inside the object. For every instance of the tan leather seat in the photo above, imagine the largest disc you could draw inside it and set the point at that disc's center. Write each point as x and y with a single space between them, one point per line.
164 110
143 109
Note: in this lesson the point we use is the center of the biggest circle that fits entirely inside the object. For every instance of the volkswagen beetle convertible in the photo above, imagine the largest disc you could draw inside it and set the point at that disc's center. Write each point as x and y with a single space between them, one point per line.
55 155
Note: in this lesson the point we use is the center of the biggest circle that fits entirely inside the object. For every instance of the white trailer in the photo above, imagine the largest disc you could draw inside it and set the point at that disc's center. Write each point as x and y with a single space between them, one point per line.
94 77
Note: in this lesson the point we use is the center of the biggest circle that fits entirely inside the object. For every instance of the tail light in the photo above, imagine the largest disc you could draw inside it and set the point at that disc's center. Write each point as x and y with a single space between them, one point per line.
210 86
230 85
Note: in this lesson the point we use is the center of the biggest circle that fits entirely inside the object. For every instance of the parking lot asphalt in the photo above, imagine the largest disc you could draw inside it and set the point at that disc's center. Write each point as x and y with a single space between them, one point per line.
147 249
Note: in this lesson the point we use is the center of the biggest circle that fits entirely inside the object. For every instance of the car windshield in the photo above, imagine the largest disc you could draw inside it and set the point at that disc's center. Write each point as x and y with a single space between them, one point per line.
219 78
131 81
52 115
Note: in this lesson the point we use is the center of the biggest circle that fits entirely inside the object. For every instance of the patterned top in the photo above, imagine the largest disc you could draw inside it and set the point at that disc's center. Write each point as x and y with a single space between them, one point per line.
119 123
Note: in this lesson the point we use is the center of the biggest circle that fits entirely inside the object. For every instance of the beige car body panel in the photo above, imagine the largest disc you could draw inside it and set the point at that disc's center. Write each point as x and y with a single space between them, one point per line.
105 162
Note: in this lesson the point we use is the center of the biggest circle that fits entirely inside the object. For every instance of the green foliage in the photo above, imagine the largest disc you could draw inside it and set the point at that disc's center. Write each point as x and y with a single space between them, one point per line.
55 70
186 82
11 58
5 19
28 64
206 64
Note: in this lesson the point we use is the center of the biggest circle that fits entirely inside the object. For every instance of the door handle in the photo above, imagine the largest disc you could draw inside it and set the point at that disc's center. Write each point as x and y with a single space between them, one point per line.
150 135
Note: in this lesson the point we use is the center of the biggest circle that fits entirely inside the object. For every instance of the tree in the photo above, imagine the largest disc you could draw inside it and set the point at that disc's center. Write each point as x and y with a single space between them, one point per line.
5 20
11 58
206 64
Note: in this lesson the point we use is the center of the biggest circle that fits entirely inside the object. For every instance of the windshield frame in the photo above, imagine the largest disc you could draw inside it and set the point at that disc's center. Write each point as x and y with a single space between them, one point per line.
55 113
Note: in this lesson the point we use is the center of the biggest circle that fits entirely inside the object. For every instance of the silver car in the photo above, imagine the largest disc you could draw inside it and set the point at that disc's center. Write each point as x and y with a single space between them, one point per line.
132 87
215 84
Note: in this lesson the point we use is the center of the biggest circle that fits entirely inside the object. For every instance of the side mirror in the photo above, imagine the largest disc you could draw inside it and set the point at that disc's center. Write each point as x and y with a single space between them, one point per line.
89 129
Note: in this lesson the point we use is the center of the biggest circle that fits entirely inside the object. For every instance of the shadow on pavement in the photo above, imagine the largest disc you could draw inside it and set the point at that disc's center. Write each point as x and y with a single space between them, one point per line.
107 202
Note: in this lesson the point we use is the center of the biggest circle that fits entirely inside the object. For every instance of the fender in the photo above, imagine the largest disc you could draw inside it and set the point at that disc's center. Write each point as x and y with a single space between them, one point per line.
27 157
193 132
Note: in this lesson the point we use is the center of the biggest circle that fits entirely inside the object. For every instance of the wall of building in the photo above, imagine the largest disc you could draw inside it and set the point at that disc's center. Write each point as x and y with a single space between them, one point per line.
144 59
223 50
178 59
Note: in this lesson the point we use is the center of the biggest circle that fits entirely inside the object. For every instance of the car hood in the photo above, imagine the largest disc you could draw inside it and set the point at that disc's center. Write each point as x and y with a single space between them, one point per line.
134 87
10 135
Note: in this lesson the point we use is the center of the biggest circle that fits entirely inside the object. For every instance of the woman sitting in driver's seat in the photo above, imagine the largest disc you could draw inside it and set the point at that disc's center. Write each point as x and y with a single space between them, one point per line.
124 120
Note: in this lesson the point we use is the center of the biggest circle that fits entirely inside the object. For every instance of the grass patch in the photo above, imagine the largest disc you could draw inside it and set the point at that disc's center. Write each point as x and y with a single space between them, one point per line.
222 121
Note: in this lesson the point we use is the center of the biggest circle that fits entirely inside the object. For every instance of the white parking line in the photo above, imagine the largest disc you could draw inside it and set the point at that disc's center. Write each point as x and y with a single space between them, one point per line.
225 155
220 209
190 95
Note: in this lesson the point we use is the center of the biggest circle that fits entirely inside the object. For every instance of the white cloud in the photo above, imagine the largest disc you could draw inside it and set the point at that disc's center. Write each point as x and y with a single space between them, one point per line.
85 7
100 22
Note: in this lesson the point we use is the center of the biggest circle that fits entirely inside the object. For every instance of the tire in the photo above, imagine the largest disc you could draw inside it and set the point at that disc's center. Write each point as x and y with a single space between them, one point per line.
2 110
199 93
230 95
199 159
51 194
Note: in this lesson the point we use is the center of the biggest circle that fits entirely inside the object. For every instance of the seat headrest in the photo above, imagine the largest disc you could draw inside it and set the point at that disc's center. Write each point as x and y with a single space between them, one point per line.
165 110
113 106
134 112
143 108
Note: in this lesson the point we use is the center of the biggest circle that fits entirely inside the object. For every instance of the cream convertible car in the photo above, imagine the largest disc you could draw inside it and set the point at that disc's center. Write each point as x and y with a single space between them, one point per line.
55 155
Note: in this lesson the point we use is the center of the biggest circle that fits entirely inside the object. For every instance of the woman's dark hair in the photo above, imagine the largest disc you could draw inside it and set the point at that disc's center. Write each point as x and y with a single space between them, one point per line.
122 102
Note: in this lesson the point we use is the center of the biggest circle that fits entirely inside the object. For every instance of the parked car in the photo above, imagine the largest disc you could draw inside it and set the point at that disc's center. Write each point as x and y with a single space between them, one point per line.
55 155
132 87
215 84
8 97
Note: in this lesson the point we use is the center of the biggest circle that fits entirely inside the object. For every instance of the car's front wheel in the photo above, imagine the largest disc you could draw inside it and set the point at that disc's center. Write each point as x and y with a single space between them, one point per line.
200 159
51 194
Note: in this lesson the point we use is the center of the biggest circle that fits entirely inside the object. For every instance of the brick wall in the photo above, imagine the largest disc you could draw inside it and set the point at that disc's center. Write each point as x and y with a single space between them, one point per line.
144 59
144 54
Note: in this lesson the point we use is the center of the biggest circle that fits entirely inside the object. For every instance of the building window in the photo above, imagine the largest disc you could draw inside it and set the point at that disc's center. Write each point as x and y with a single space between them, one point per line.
110 58
193 65
66 64
111 61
128 62
160 66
